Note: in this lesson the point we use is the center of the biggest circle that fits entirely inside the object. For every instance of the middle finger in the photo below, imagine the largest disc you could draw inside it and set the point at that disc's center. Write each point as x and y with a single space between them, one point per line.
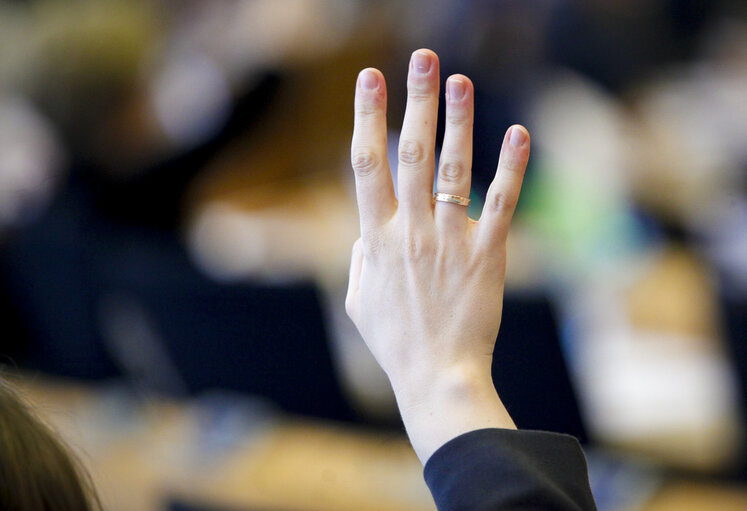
418 137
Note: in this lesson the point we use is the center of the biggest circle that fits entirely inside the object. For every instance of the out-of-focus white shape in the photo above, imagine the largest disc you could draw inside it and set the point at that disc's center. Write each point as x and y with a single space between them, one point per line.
245 36
691 147
31 161
191 98
649 390
578 200
582 130
228 244
308 238
660 394
684 161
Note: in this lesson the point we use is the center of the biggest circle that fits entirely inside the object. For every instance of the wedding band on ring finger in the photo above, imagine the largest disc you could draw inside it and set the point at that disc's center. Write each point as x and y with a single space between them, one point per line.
453 199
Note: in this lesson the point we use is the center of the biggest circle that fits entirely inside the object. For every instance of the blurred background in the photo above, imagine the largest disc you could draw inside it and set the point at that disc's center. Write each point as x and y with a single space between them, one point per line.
177 213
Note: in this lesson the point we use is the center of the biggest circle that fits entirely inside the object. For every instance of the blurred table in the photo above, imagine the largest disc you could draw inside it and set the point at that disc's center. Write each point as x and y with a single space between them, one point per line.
222 453
145 455
689 496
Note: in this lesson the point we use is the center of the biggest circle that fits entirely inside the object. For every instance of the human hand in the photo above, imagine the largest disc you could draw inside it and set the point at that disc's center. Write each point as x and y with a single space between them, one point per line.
426 281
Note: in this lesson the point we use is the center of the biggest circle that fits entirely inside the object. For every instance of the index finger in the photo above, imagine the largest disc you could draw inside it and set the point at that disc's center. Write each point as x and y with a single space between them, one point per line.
373 181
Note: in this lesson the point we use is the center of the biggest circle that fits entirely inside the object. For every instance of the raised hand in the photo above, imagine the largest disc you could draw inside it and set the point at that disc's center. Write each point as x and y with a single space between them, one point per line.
426 281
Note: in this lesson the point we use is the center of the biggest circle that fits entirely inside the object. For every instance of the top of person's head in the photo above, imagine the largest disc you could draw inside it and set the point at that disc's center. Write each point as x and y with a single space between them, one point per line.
37 471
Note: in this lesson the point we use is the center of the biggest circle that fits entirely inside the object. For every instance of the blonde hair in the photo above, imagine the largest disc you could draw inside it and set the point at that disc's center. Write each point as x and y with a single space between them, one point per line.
38 472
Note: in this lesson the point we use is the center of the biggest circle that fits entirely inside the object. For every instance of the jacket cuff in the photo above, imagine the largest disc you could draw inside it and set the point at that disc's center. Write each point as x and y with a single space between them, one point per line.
509 469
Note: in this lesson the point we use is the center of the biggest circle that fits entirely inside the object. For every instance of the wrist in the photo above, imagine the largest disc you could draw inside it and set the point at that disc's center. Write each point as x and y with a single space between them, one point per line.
428 385
440 405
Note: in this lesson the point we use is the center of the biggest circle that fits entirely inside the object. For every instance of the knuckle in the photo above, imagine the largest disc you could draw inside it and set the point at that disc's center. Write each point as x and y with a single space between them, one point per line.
413 251
357 245
369 104
365 161
366 109
373 244
411 152
514 165
349 305
451 172
503 203
459 120
492 260
418 248
420 93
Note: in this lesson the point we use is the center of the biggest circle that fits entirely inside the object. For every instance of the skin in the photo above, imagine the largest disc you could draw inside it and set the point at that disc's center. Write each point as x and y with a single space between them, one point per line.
426 282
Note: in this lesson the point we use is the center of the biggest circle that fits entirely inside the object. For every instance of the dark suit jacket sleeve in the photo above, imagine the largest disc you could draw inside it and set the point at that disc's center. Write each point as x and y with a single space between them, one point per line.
499 469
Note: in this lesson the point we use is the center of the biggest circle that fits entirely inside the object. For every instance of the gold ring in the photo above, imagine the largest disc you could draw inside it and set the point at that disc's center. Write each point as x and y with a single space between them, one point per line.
454 199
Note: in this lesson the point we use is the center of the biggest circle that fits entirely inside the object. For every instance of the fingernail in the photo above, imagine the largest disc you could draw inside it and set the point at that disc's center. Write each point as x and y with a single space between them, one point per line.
455 88
421 62
368 80
518 136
